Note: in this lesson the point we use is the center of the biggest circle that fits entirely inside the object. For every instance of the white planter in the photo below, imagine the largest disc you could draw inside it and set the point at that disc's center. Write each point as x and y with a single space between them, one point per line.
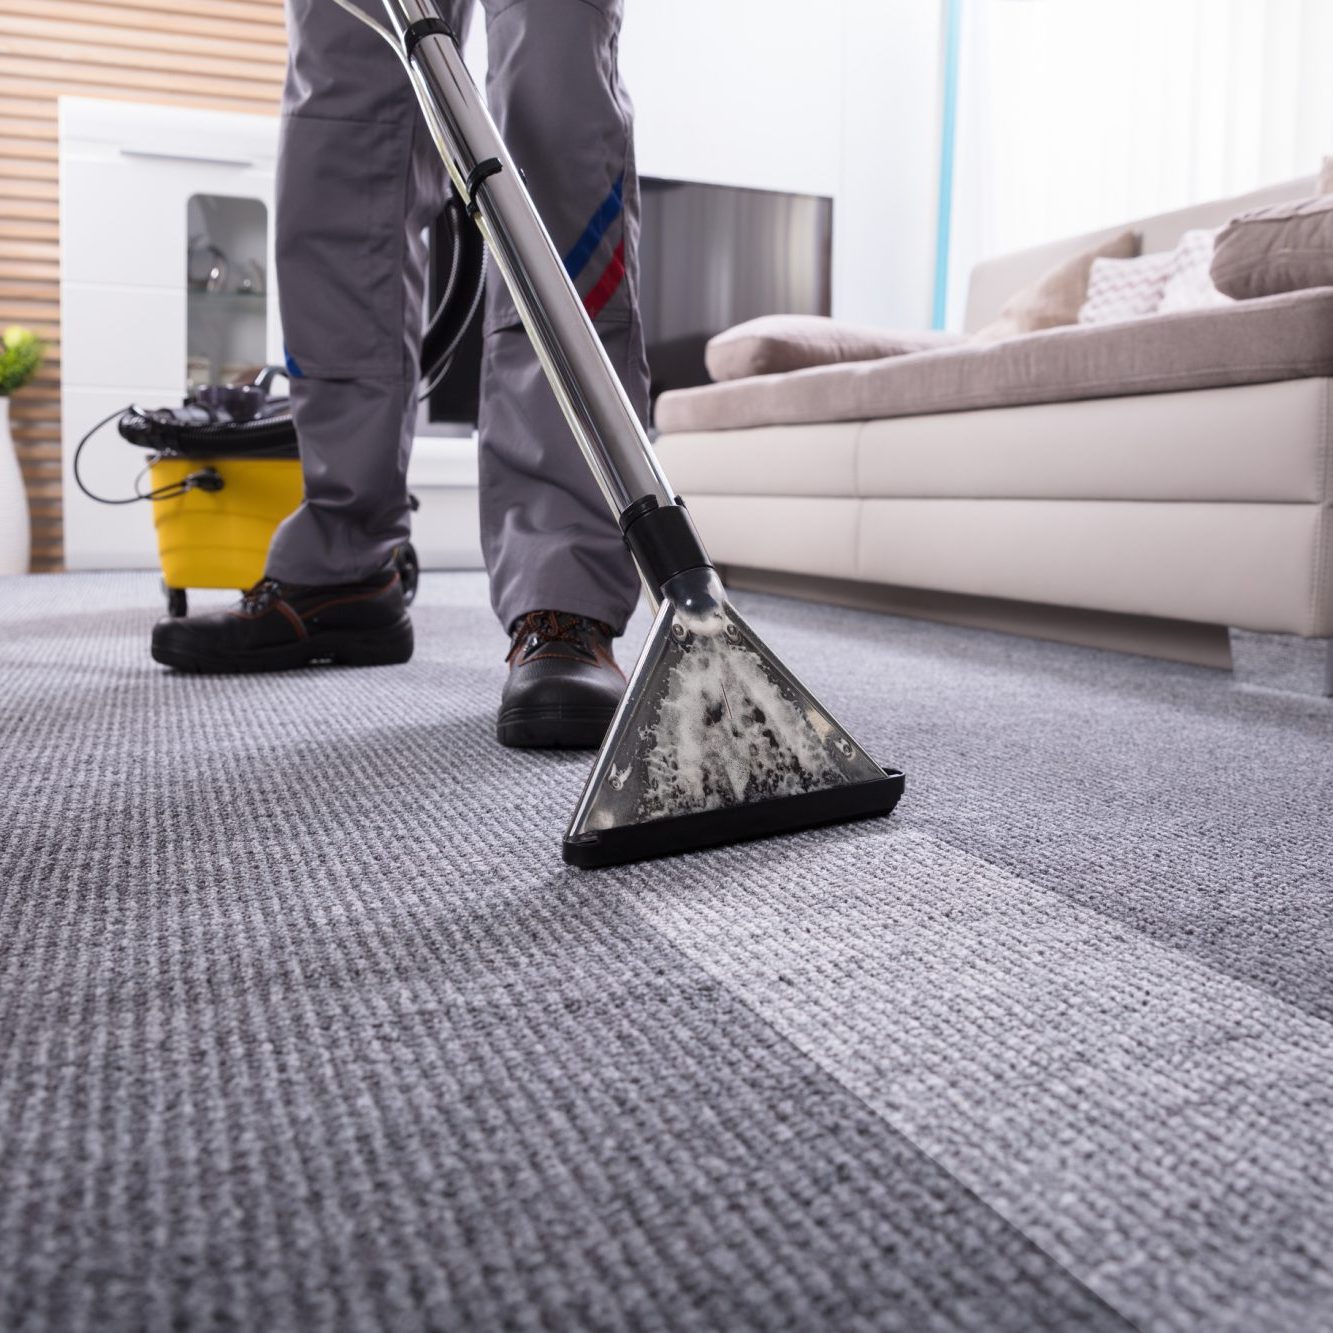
14 540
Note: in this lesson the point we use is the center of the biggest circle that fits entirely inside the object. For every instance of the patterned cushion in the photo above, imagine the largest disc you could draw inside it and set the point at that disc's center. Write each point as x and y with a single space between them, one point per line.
1189 286
1120 289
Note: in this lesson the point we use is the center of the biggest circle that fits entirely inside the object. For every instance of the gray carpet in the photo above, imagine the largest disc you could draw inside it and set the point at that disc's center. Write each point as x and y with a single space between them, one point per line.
303 1024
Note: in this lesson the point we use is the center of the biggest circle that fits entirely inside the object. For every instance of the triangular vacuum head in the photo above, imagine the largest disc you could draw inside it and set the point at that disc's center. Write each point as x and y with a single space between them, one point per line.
715 741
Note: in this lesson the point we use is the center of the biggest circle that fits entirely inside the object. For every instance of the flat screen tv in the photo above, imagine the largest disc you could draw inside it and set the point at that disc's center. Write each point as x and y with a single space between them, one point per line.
710 257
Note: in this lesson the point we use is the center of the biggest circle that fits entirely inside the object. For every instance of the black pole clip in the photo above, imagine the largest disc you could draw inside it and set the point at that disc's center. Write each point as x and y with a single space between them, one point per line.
415 33
490 166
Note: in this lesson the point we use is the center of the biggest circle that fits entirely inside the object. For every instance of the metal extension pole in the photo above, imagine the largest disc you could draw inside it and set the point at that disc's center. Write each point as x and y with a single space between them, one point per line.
585 383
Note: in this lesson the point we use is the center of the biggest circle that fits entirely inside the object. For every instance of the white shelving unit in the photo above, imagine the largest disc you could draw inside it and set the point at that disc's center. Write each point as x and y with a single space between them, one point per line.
127 175
136 182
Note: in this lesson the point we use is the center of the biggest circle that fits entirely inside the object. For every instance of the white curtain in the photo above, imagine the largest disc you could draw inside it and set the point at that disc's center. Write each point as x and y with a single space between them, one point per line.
1077 114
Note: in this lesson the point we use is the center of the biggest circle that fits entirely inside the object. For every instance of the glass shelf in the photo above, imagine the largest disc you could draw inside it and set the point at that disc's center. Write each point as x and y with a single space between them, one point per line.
226 327
196 294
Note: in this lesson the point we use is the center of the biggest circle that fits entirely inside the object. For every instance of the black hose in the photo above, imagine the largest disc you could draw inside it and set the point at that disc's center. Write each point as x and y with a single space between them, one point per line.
452 219
270 436
463 292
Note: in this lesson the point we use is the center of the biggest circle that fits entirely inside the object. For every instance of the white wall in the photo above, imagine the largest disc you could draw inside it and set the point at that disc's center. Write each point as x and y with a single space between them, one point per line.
840 99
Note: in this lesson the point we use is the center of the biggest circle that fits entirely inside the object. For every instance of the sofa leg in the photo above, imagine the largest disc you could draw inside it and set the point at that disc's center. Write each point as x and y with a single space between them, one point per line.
1282 662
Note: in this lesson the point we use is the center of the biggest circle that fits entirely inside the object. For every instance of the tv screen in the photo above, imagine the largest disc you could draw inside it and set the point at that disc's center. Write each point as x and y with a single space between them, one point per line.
710 256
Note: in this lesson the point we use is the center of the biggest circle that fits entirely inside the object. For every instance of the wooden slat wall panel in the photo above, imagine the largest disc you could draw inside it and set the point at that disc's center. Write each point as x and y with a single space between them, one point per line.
223 55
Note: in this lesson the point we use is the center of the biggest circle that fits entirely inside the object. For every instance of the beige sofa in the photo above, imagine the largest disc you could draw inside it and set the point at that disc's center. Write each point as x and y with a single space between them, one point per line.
1163 485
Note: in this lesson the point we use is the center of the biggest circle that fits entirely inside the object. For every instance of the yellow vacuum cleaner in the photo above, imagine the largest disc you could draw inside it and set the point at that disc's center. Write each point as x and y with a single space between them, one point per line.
222 473
216 534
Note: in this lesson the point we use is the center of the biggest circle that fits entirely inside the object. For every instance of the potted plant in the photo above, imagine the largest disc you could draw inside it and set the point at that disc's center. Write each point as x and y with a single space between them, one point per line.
20 355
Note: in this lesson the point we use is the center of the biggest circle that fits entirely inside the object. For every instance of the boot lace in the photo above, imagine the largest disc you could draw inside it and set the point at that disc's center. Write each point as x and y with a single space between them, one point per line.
554 627
261 596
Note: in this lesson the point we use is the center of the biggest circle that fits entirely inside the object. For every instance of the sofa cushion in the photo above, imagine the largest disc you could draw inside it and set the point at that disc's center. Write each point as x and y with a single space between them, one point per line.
1125 288
1189 285
1286 248
1055 298
773 344
1255 342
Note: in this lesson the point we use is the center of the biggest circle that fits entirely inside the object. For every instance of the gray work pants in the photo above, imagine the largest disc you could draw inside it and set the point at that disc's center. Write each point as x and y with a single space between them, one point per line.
358 180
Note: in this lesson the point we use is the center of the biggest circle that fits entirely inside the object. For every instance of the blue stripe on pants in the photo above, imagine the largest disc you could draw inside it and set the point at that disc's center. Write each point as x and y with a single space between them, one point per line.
586 245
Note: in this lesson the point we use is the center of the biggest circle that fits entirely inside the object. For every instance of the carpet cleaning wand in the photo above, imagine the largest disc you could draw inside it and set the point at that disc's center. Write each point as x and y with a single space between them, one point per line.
714 740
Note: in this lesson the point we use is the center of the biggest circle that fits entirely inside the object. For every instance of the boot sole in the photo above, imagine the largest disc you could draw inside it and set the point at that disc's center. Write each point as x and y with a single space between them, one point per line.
387 647
553 728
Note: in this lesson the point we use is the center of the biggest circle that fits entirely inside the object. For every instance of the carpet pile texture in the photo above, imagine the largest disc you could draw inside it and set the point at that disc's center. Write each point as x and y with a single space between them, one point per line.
303 1024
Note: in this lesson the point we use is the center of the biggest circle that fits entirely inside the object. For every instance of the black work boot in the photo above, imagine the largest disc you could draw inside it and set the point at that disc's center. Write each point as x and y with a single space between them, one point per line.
563 684
278 626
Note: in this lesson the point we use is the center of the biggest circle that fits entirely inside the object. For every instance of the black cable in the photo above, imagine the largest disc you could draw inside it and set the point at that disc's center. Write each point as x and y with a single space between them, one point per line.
206 479
465 288
78 480
446 358
451 216
196 480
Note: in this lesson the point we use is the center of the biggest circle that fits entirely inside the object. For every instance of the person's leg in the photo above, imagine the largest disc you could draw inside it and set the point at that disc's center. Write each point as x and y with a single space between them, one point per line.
358 180
554 87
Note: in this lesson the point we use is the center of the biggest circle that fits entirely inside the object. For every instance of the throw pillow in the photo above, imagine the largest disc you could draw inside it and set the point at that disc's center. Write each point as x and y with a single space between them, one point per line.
773 344
1283 248
1189 285
1056 297
1326 177
1120 289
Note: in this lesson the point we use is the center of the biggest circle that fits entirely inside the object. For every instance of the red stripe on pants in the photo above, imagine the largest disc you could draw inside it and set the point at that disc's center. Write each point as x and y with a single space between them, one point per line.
604 288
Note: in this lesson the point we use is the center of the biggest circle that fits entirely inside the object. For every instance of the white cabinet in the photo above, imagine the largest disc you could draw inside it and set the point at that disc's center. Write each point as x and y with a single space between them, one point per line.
133 181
